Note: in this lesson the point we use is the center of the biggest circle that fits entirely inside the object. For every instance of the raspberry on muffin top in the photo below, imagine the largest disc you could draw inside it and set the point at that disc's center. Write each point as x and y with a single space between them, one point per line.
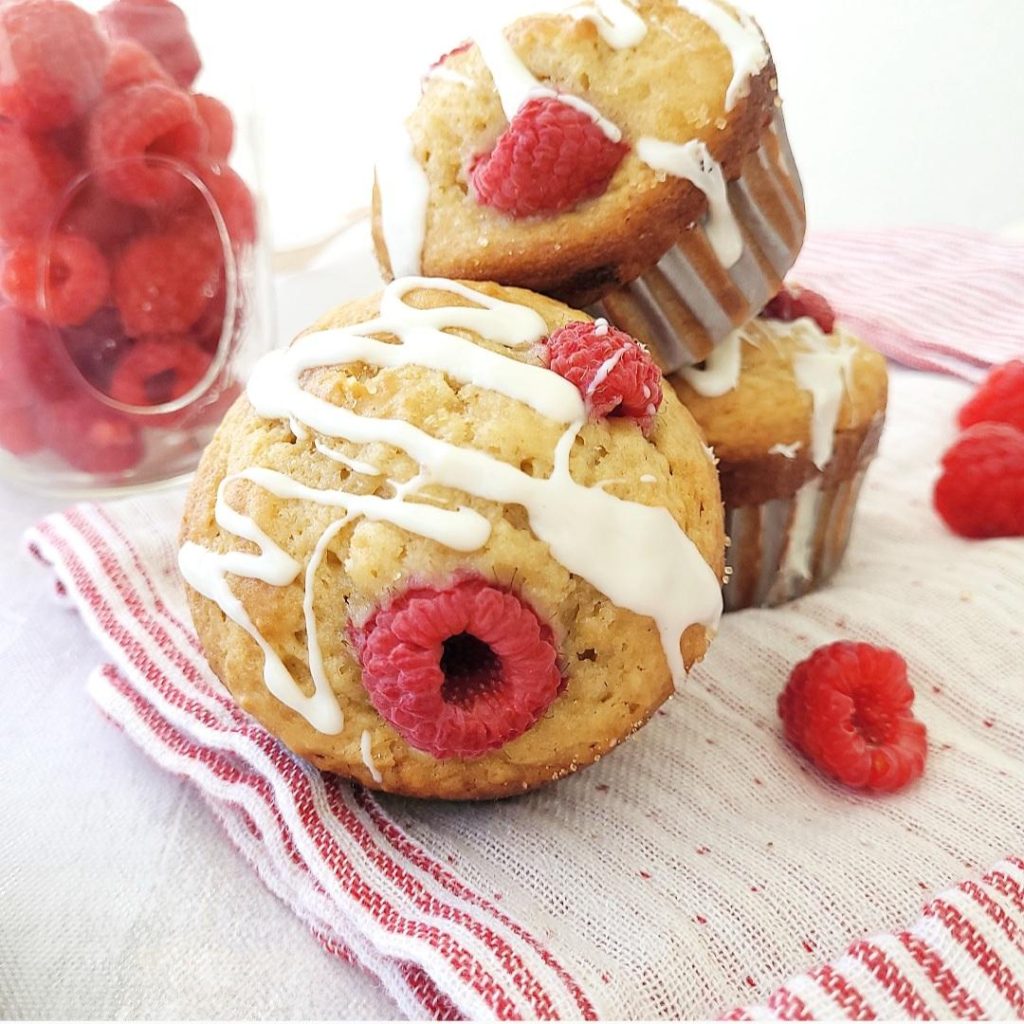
567 152
358 430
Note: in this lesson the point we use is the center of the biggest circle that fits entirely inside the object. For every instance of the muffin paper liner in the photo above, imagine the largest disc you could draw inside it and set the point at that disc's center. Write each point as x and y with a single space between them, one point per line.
785 548
689 302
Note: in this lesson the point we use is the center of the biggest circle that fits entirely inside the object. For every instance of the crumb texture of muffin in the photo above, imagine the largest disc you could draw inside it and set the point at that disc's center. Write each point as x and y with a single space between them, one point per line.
416 444
794 416
685 99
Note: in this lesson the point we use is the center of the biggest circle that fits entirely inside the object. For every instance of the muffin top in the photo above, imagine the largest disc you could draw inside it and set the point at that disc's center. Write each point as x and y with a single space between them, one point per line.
418 440
666 96
784 388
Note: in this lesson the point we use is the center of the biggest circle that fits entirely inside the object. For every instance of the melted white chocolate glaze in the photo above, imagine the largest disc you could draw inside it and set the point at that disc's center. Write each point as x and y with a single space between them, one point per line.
694 162
721 370
516 85
617 21
403 181
636 555
366 752
740 36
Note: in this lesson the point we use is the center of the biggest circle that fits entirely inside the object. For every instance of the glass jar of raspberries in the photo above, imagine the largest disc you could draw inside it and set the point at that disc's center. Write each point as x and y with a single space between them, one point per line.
133 291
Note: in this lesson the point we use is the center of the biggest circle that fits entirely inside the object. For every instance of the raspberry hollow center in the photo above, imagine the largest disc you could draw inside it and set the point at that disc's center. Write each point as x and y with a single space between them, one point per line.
471 669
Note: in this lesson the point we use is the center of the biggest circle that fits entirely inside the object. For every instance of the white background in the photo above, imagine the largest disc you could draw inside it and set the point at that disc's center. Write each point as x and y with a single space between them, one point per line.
900 111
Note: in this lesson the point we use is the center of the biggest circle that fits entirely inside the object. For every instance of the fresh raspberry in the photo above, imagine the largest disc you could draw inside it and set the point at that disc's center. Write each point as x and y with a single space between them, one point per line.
164 282
107 223
52 63
135 138
1000 399
62 281
232 198
160 27
220 126
793 302
97 346
33 364
550 158
19 433
33 173
981 491
131 64
207 331
158 370
92 437
847 707
458 671
615 374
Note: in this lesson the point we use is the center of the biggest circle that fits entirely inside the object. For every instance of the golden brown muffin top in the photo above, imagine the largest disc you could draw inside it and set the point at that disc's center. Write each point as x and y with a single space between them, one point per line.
769 407
674 85
615 660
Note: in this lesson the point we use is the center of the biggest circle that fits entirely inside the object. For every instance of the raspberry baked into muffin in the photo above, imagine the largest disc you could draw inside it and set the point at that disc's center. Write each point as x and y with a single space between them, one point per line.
793 406
570 153
457 541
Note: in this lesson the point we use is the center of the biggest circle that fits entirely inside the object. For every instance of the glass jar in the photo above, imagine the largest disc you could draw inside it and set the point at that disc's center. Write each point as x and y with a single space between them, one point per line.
134 288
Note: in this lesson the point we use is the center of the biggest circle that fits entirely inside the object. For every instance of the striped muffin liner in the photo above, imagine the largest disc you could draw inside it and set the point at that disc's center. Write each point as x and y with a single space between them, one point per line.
689 302
785 548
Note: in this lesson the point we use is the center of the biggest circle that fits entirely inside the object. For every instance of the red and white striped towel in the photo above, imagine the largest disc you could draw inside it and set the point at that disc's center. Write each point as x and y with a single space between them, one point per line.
702 866
932 299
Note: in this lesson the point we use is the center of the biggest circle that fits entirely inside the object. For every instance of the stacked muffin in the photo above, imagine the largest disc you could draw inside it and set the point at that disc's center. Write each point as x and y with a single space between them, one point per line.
631 156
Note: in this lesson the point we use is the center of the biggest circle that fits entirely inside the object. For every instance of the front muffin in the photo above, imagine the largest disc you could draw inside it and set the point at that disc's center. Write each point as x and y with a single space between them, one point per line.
455 542
793 405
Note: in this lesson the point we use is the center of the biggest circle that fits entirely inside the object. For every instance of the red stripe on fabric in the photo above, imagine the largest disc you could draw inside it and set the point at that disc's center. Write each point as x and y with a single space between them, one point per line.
468 968
518 972
354 884
188 635
740 1013
415 853
964 932
892 979
787 1005
997 913
1007 886
846 995
125 589
942 977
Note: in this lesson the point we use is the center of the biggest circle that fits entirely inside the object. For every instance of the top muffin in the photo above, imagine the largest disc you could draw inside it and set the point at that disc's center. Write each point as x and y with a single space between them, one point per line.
626 118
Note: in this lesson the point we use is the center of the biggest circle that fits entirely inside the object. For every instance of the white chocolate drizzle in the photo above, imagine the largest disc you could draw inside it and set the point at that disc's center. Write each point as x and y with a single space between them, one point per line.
366 752
362 468
721 370
825 372
405 194
787 451
740 36
516 85
443 74
797 561
617 21
635 554
693 161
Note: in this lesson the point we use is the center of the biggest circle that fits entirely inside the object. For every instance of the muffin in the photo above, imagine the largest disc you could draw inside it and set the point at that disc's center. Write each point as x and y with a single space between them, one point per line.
455 542
793 406
568 153
692 300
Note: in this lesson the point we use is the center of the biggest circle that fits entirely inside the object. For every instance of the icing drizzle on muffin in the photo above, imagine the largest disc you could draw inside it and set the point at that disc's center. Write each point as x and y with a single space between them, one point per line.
403 184
636 555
